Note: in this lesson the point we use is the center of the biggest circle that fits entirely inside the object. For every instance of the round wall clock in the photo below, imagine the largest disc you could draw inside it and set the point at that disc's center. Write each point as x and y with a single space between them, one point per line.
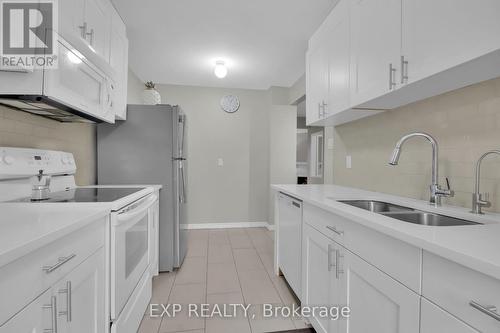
230 103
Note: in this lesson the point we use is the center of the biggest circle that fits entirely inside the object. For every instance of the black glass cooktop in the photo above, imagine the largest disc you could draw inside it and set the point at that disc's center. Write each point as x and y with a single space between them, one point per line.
88 195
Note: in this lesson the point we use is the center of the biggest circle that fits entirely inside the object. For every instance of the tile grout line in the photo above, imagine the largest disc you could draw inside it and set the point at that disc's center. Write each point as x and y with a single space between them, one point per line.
239 282
168 298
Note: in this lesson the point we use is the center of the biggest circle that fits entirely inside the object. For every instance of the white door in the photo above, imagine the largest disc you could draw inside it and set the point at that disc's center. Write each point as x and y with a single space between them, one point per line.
118 59
318 276
339 59
81 297
290 244
438 35
375 48
436 320
316 82
378 303
98 19
38 316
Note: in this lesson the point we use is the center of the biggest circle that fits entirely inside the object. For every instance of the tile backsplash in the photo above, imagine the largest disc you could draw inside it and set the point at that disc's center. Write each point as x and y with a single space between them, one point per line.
20 129
465 122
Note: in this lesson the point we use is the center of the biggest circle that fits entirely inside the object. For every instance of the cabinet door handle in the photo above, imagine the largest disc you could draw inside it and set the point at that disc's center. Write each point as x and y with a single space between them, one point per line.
392 80
60 262
91 37
330 264
340 233
83 30
67 291
53 309
320 115
338 269
324 106
489 310
296 204
404 70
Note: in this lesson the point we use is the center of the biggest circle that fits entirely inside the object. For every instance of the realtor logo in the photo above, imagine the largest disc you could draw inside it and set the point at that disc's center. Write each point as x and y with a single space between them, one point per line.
28 33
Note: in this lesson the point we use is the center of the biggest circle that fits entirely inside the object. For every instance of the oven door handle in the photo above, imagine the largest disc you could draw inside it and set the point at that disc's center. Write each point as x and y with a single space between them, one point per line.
138 210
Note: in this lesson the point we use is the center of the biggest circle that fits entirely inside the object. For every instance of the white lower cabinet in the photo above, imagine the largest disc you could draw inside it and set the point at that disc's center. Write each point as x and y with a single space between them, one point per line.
436 320
80 297
34 318
377 302
318 279
76 304
334 276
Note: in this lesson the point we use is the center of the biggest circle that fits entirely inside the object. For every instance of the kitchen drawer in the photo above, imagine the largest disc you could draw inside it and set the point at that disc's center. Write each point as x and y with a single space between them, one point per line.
396 258
453 287
22 280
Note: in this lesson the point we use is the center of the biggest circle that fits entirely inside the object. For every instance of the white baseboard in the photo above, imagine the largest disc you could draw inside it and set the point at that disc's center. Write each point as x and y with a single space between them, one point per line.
199 226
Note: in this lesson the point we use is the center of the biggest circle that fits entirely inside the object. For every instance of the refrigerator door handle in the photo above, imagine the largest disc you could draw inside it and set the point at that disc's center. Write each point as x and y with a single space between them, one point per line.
182 196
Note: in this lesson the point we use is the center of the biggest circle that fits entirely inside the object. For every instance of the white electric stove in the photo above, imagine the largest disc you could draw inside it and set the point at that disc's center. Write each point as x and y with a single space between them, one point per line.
43 177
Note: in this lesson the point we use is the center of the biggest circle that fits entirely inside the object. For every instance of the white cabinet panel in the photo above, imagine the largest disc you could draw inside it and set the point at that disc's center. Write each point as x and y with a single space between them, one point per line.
378 303
453 287
436 320
118 59
98 19
38 316
316 82
289 243
375 47
72 19
339 60
438 35
78 84
81 297
318 280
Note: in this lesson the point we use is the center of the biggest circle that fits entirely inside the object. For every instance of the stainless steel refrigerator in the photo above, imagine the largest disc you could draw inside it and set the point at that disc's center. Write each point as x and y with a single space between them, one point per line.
150 148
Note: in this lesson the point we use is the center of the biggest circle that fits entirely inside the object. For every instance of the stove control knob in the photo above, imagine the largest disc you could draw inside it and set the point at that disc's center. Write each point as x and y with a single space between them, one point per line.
8 159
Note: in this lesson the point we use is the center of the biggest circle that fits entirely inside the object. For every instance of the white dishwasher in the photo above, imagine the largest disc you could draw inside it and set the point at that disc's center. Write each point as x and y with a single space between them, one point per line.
290 241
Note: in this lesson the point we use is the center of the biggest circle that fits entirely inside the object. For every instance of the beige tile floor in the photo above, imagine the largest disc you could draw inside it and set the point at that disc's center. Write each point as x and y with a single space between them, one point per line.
224 266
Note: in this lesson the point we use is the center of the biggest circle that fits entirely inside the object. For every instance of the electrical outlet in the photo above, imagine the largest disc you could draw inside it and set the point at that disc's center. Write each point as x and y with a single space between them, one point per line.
220 162
348 162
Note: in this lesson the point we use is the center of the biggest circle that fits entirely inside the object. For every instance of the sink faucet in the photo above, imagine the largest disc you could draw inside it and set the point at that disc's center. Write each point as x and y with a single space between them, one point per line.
478 199
436 191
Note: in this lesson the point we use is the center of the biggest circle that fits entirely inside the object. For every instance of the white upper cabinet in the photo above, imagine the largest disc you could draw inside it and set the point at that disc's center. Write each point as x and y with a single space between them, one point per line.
328 66
375 48
438 35
339 60
97 19
400 51
317 82
118 59
86 24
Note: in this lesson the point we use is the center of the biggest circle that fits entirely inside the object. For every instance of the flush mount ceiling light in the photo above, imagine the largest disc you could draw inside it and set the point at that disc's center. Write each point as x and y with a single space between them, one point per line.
220 69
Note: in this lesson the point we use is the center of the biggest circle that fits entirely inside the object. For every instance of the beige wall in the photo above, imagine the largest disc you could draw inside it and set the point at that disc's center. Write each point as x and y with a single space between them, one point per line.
465 122
236 192
283 149
20 129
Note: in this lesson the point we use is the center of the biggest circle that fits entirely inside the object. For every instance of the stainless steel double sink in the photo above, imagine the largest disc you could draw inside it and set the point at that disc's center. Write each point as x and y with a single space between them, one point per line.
407 214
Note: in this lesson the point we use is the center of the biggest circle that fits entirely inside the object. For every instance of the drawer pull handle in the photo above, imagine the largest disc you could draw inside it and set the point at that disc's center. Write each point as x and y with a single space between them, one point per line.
489 310
296 204
62 261
53 309
340 233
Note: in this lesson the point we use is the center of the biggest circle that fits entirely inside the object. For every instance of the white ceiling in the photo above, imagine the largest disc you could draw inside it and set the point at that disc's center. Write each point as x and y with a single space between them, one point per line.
263 41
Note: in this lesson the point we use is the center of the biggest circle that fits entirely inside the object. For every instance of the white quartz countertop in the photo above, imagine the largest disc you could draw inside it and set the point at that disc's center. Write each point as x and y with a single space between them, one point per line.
27 227
474 246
